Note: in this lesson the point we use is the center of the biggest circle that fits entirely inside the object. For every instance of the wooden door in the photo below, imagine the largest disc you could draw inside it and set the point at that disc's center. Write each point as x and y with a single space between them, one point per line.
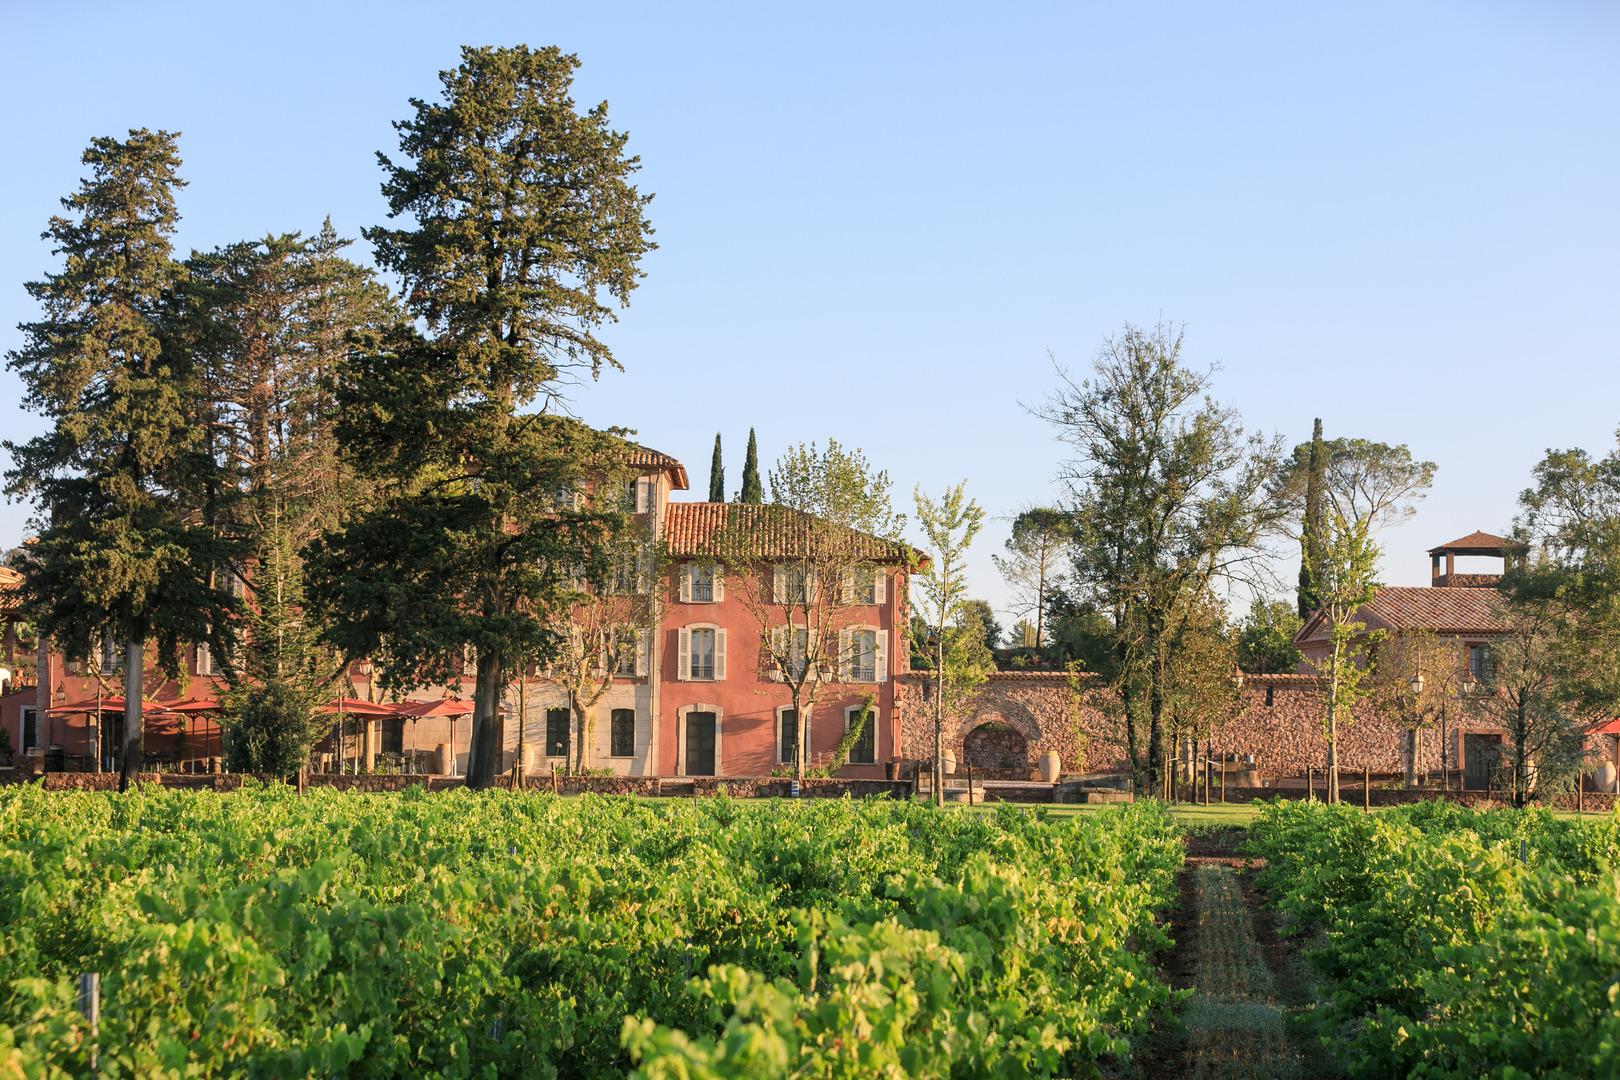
1480 756
700 744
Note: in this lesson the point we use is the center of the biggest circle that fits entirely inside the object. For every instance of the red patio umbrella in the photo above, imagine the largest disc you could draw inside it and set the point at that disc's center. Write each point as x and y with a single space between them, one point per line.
111 704
444 707
191 708
1612 727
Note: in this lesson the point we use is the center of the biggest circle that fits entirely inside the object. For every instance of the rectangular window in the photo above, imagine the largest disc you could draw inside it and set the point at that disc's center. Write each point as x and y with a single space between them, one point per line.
109 655
205 659
796 577
702 584
622 733
702 654
865 585
863 655
625 664
1479 661
30 730
864 752
556 733
798 653
788 750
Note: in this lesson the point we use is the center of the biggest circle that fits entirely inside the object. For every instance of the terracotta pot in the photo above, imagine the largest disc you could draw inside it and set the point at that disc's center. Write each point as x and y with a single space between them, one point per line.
1605 776
1051 767
442 759
950 762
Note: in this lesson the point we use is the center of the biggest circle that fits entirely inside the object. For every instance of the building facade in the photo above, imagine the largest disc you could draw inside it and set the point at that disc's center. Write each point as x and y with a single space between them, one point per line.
696 696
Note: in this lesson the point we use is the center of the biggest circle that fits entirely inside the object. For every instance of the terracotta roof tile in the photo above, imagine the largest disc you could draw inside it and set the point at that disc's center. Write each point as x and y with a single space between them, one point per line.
643 457
1475 543
1441 610
692 529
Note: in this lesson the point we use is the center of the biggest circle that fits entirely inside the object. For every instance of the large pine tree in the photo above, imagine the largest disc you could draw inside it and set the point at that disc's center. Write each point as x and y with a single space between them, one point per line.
523 230
126 548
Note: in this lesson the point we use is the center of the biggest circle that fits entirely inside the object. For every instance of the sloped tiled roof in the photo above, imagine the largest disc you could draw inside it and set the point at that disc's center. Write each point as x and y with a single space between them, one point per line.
10 590
699 529
1475 543
642 457
1441 611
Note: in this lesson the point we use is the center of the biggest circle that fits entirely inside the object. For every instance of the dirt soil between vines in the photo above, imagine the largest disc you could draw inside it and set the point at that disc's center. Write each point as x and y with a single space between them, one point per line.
1246 984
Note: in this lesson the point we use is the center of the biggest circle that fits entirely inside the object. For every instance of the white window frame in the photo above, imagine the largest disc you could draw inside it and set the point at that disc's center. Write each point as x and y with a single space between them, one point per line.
683 652
203 658
645 496
879 591
880 653
635 733
691 574
779 584
680 736
776 729
23 747
779 647
877 718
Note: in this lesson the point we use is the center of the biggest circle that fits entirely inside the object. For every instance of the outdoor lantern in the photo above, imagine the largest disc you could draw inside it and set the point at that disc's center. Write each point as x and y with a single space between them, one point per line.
1237 677
1417 684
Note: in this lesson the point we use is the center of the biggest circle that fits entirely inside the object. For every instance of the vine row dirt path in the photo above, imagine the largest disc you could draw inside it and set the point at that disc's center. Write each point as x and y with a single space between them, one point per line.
1246 982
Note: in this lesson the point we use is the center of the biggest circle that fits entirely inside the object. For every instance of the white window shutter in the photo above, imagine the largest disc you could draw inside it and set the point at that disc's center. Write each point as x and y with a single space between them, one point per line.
643 494
686 582
642 642
881 662
880 585
778 648
683 669
719 656
779 584
205 659
846 660
849 587
719 582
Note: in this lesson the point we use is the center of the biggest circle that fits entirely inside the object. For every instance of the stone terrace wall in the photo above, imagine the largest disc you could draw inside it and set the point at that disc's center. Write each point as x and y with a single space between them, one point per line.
1285 736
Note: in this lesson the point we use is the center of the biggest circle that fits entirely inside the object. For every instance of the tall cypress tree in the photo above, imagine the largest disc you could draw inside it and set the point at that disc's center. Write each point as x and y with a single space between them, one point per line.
717 474
752 490
126 550
1310 535
524 231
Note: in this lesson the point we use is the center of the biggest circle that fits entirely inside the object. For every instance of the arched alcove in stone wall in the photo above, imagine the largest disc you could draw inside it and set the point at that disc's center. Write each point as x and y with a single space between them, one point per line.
995 745
1004 713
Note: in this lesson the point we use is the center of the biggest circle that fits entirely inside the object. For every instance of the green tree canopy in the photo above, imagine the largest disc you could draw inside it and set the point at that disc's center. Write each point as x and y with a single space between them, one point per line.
1265 640
126 547
524 229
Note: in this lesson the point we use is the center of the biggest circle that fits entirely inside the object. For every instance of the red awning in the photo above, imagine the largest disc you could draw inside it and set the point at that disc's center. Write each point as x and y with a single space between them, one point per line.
1610 728
359 708
195 705
434 708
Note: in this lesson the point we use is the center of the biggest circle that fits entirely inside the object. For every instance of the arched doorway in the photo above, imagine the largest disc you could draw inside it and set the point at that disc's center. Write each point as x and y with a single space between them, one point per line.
995 745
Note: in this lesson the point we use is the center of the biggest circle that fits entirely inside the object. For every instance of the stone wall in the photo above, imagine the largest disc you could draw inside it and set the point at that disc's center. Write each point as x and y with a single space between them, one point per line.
995 748
1280 725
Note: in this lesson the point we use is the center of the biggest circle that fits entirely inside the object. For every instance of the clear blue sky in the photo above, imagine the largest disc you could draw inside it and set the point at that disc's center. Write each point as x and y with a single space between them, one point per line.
876 220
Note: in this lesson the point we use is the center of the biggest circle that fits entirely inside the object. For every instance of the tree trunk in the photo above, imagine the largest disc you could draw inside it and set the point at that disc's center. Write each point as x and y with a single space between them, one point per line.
1330 782
1155 759
794 695
1411 757
134 669
486 715
939 721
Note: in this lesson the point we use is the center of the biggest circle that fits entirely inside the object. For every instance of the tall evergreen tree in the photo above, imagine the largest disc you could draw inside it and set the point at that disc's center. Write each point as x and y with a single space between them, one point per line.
717 474
752 490
1310 534
125 548
282 309
525 230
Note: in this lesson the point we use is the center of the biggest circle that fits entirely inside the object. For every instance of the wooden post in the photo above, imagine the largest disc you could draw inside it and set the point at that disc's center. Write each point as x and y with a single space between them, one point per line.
1366 788
1223 778
1580 793
1310 784
970 784
90 1009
